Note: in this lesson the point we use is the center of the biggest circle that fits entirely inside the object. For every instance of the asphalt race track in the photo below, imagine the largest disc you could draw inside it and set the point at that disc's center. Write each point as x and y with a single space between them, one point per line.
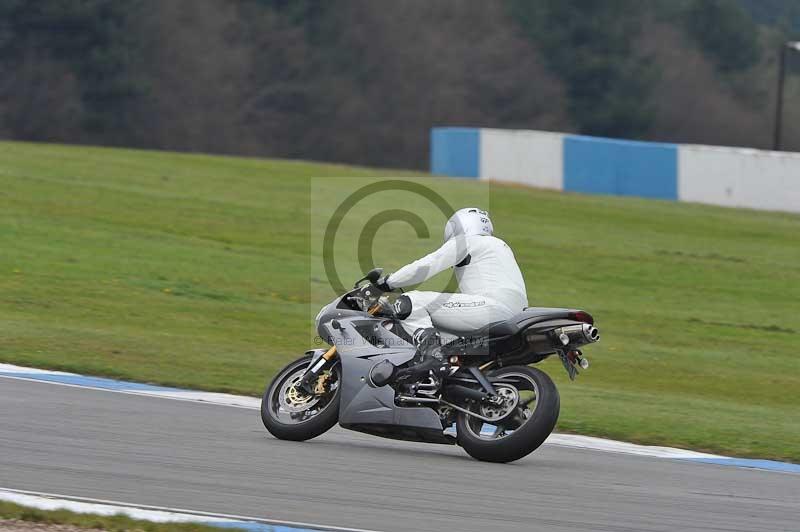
152 451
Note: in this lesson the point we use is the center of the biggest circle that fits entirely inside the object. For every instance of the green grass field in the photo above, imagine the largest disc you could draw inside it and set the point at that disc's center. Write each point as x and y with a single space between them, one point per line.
204 272
10 512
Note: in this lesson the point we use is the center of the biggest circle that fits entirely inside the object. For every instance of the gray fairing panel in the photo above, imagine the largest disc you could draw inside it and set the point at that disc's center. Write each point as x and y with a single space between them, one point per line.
360 402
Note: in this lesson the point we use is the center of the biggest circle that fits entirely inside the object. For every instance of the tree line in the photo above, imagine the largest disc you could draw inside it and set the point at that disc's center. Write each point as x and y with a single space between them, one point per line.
362 81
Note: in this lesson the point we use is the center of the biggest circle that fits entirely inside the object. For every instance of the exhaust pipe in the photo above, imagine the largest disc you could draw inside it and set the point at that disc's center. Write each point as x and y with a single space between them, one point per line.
577 334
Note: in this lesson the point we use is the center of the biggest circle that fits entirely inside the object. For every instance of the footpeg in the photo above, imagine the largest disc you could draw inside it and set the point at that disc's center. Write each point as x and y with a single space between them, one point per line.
421 370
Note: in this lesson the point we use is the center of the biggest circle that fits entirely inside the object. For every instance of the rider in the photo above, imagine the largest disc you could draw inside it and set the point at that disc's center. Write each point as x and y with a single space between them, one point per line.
491 285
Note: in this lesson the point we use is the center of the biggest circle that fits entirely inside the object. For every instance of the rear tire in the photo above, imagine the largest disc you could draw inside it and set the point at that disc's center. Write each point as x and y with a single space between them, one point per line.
286 425
525 438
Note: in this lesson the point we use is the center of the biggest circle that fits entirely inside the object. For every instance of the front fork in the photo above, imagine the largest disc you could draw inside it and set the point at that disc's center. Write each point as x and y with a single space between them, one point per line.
309 380
318 365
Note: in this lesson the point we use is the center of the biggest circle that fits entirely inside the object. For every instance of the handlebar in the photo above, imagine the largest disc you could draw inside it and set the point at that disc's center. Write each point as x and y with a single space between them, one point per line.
372 276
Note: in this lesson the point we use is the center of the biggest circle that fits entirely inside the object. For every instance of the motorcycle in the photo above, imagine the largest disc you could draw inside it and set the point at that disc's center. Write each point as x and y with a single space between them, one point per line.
484 396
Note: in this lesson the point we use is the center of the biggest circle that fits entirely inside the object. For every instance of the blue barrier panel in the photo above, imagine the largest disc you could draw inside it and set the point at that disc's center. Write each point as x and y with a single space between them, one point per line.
620 167
455 151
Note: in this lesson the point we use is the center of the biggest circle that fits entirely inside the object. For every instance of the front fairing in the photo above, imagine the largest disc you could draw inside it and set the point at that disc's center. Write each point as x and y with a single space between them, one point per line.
361 342
337 309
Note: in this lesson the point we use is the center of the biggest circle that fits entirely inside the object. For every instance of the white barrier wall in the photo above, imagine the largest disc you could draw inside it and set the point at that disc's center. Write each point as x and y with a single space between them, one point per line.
533 158
736 177
730 177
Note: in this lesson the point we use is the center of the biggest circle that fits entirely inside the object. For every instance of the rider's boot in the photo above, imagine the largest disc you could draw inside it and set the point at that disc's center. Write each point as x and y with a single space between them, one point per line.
429 347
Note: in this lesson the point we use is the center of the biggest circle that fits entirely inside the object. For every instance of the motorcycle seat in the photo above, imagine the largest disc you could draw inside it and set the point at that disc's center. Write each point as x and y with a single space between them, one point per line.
511 326
497 329
502 336
506 328
531 315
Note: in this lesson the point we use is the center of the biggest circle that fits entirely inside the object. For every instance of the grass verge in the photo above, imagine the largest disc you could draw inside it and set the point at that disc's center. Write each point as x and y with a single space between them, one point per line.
114 523
203 272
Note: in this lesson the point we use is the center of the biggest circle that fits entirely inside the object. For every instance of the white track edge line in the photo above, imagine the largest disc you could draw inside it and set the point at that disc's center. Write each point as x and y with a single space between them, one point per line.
572 441
611 446
154 395
601 445
261 520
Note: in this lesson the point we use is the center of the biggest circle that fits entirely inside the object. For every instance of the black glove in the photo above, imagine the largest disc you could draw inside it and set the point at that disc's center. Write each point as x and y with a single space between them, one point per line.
382 284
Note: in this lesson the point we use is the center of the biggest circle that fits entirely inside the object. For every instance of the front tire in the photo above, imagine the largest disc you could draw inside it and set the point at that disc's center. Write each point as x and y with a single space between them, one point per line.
289 414
523 429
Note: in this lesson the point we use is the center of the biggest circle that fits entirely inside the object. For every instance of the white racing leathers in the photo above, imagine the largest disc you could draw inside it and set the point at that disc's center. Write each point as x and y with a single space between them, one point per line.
491 285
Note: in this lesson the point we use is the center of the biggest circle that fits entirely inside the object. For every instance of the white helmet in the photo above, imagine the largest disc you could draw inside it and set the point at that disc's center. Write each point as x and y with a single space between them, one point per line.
469 221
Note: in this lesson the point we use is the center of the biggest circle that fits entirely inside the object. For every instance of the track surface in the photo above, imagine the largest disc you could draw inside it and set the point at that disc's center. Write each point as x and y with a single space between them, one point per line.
152 451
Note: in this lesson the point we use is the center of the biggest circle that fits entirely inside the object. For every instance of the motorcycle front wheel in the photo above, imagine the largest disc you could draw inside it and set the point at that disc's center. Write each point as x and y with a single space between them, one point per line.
519 425
289 413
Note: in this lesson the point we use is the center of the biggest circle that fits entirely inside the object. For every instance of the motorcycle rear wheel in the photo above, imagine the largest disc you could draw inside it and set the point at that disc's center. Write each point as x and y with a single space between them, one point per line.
523 429
290 414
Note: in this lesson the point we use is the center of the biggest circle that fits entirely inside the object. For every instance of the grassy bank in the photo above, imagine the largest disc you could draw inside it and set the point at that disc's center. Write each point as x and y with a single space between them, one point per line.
114 523
205 272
